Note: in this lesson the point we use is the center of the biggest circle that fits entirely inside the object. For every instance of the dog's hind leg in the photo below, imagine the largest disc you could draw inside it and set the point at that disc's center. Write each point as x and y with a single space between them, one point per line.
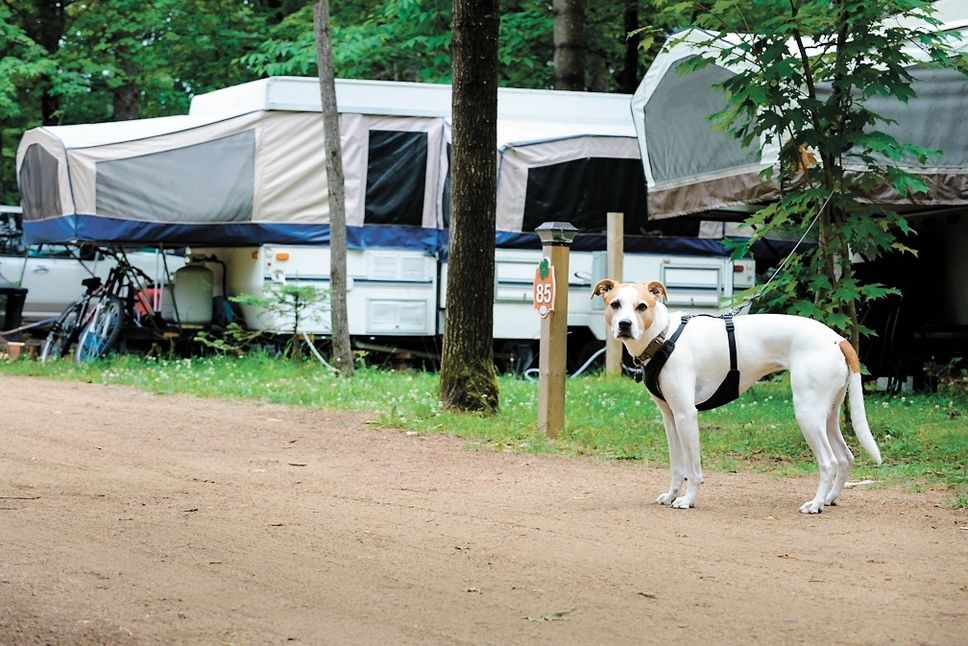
842 453
675 455
813 424
811 407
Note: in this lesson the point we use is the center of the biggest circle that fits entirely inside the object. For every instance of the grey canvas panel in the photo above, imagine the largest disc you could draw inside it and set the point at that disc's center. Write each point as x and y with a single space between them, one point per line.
38 184
207 182
677 147
933 119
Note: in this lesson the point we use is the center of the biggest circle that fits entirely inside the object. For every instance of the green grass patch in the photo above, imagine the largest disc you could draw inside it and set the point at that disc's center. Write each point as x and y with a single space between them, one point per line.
923 437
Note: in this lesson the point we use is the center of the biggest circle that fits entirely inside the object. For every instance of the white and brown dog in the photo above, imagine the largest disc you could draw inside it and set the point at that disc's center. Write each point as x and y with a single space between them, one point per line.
823 368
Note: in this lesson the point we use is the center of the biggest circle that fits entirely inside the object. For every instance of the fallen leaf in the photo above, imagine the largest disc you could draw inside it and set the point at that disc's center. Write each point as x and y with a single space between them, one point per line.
297 464
561 615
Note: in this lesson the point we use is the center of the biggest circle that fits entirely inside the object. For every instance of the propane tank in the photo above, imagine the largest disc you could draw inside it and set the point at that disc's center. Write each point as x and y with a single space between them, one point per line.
193 292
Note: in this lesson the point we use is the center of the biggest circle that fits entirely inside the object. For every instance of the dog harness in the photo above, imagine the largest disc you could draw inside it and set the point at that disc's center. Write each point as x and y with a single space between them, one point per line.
660 349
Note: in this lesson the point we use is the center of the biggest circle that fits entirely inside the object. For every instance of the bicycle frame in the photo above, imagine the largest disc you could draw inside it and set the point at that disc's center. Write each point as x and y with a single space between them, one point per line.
97 320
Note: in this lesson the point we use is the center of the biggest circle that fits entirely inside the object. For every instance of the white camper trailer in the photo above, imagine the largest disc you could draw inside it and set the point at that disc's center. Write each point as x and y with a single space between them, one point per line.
241 180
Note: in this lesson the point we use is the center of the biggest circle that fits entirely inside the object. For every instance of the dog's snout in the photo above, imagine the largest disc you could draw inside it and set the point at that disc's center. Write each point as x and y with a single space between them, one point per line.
624 327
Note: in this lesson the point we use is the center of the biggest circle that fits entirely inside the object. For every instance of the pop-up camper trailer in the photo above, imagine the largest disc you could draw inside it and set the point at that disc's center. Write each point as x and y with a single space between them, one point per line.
241 178
694 169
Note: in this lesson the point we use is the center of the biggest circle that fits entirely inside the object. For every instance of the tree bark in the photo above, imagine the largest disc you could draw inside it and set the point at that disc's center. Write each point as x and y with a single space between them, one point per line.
569 40
467 379
630 68
342 351
47 30
127 98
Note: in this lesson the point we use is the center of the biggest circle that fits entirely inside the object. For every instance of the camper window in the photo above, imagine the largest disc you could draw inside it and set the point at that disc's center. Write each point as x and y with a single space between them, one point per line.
396 177
583 191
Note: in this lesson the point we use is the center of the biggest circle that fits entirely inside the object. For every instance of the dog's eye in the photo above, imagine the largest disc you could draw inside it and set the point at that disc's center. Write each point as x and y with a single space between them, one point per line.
615 305
641 307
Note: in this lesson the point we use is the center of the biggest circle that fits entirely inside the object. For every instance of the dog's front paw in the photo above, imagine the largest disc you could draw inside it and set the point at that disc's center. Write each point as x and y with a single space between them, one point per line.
666 498
811 507
683 502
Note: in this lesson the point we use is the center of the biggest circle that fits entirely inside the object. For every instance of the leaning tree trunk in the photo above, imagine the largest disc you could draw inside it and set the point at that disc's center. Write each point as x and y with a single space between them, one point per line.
342 351
569 39
467 379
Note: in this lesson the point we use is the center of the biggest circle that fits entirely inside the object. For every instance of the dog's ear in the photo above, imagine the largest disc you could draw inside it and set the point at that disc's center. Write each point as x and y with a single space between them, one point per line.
658 290
603 287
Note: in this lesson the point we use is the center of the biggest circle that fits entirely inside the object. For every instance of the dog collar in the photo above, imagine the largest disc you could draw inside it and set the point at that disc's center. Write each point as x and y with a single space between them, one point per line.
654 346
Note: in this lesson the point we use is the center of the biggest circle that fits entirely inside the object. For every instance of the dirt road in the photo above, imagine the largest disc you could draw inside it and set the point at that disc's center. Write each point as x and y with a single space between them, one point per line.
129 518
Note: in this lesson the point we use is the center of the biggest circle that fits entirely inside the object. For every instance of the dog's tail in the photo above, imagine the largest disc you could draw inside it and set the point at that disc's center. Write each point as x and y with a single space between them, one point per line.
855 403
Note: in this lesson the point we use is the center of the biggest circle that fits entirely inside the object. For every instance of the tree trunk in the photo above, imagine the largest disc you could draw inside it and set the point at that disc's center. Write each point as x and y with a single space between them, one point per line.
569 39
127 102
127 98
47 30
342 351
630 68
467 379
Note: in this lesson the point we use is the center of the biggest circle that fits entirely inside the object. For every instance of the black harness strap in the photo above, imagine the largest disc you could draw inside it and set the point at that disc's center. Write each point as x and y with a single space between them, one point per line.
728 390
651 370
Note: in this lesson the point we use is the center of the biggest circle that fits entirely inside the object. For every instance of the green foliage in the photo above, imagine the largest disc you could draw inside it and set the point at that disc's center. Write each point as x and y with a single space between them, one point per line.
161 53
235 340
167 49
400 40
921 436
409 40
292 303
807 67
21 63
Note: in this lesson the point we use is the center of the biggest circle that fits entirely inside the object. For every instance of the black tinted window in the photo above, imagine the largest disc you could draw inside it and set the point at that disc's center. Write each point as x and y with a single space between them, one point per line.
396 177
583 191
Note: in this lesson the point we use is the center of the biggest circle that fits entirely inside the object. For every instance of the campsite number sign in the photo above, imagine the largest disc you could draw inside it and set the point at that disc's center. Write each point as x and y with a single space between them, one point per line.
544 287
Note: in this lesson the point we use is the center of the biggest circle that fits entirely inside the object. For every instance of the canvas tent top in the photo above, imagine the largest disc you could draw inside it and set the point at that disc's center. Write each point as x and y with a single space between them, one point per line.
245 167
692 168
524 115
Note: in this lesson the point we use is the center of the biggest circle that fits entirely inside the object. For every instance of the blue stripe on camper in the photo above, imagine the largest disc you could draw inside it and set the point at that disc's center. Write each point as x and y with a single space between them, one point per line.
632 244
98 229
51 230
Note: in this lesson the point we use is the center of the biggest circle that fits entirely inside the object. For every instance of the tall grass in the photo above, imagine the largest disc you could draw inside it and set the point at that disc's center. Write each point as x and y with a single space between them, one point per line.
923 437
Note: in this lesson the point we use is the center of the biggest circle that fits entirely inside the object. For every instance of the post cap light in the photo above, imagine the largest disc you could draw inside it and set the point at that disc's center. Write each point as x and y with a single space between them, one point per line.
556 233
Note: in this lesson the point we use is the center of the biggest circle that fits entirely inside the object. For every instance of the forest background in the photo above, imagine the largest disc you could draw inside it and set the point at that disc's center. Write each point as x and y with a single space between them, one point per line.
88 61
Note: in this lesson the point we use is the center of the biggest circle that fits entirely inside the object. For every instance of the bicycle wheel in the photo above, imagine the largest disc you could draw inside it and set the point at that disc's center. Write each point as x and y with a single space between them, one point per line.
62 333
101 333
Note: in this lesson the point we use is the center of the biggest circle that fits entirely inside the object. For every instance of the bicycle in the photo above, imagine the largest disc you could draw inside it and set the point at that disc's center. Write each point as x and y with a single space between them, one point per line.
96 320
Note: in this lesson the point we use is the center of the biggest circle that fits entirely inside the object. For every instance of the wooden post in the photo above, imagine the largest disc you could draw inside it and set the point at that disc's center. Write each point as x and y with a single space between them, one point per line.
556 238
614 260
